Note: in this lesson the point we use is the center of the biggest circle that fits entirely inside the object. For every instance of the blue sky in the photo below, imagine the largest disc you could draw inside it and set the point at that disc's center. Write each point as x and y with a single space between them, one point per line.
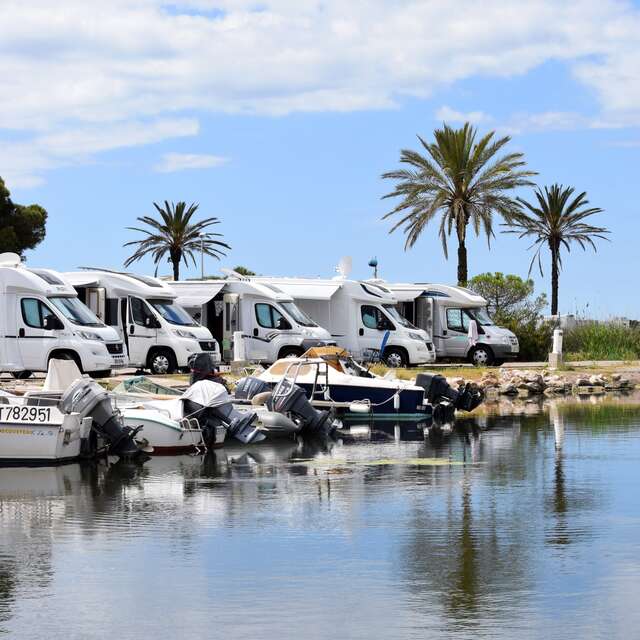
279 118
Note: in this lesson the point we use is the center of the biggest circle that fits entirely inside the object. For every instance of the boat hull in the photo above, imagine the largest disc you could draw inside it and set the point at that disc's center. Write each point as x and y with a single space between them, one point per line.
411 401
166 436
54 439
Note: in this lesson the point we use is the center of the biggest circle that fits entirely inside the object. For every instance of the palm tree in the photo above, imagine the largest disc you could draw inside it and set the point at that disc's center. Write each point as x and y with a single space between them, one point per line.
462 180
174 234
556 222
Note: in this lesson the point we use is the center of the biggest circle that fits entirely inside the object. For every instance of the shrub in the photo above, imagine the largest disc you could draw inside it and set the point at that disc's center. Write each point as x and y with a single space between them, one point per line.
597 341
535 337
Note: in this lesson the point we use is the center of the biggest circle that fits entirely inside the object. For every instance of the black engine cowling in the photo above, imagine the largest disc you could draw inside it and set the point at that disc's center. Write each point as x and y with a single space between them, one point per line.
438 390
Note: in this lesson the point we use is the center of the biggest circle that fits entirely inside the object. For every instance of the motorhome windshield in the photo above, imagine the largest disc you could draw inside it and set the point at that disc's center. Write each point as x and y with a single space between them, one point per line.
173 313
481 316
297 314
75 311
399 318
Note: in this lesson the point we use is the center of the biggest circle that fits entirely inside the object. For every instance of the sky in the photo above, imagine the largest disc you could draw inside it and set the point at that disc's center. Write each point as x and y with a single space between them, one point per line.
279 117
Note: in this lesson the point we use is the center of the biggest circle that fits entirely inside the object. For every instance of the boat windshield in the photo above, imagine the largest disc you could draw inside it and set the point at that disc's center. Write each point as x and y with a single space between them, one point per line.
398 317
75 311
172 312
481 316
298 314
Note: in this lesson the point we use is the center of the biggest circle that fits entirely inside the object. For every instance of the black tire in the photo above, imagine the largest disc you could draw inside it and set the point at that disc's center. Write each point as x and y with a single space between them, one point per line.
162 361
481 356
290 352
100 374
395 357
22 375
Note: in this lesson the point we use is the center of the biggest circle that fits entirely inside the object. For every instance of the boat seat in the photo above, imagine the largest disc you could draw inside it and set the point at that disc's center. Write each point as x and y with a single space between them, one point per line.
174 408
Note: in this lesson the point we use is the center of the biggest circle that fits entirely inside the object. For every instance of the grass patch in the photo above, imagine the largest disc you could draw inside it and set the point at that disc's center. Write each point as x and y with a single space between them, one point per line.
594 341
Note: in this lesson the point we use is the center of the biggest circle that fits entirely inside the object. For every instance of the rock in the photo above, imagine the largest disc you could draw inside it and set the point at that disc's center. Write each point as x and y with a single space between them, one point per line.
616 377
582 382
597 381
508 389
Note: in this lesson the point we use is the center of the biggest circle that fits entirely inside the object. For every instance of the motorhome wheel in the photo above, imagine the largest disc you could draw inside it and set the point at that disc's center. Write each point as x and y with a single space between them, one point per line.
482 356
161 362
22 375
395 358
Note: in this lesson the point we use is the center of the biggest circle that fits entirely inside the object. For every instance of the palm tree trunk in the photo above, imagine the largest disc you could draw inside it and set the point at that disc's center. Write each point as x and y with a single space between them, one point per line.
554 277
462 264
176 269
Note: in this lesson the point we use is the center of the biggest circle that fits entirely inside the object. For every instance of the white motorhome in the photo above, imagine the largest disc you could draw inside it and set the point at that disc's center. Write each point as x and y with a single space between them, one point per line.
42 318
358 314
271 323
446 312
160 335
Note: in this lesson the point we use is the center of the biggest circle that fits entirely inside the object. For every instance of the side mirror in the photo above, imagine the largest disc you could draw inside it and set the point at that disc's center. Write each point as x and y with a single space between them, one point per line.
384 325
283 324
52 323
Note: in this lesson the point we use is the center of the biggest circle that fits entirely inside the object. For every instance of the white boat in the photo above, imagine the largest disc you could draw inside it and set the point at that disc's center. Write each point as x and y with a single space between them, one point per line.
166 431
30 433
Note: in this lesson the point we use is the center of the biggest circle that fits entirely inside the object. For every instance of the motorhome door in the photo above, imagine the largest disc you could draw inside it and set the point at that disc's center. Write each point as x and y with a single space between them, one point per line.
424 315
230 323
372 325
95 298
141 330
34 340
267 325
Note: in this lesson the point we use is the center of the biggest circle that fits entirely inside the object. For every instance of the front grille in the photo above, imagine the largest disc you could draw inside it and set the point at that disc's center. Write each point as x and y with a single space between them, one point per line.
513 340
429 346
208 346
114 347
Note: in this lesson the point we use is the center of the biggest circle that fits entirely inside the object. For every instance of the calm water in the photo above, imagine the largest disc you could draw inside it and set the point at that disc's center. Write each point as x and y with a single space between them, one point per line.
511 527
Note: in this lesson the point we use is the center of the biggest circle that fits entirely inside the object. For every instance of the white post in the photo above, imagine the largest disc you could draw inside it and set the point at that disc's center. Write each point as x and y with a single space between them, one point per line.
555 357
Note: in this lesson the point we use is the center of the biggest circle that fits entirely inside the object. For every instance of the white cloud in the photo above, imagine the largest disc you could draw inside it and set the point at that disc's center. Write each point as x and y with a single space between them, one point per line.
449 115
171 162
73 66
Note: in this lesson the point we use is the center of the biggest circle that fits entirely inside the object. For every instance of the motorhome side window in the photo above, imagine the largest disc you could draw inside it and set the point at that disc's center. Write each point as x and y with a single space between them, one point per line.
373 318
457 320
139 312
269 317
34 312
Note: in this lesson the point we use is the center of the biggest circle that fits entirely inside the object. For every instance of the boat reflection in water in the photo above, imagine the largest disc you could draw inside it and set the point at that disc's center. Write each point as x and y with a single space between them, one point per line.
496 526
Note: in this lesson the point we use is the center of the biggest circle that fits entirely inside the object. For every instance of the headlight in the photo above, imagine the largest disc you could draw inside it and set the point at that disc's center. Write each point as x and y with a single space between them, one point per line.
87 335
416 336
184 334
506 340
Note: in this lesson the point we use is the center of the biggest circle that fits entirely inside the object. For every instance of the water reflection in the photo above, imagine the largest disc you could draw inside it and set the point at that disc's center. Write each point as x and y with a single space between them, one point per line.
391 530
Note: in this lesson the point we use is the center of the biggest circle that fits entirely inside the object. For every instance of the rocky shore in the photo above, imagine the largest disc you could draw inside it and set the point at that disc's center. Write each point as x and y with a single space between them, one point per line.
518 382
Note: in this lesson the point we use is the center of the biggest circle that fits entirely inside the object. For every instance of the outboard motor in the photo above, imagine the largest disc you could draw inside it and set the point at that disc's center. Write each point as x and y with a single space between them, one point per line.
438 391
210 403
289 398
89 399
249 387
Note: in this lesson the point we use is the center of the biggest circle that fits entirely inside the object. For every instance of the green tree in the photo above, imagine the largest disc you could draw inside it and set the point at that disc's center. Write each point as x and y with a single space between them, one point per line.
175 236
556 222
21 227
462 180
513 305
243 271
508 294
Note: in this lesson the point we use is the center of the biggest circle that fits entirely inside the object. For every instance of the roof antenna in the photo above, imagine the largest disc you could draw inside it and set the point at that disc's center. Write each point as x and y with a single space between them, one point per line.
344 268
373 263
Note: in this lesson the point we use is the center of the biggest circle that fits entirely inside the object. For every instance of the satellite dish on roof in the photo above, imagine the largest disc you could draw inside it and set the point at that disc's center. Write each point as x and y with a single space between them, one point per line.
344 267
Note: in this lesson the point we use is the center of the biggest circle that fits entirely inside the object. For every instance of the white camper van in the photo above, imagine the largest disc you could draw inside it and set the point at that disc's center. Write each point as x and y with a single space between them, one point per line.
271 323
160 335
446 312
358 314
41 318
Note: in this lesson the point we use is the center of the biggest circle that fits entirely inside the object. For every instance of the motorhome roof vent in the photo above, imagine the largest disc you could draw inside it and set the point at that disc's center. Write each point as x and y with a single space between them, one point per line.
432 293
46 276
